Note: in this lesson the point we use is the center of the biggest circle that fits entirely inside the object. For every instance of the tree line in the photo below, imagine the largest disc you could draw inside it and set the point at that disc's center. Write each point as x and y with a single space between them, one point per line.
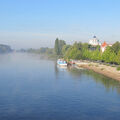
85 51
5 49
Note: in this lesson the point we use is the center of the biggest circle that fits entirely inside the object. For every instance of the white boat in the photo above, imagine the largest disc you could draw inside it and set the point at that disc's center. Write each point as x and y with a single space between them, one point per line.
61 62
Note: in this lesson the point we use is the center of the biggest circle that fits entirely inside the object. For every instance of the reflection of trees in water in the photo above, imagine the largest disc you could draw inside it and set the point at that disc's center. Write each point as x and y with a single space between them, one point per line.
107 82
56 70
98 78
74 72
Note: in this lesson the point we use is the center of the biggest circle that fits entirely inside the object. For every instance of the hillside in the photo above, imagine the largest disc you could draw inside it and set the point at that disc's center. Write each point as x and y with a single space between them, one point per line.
5 49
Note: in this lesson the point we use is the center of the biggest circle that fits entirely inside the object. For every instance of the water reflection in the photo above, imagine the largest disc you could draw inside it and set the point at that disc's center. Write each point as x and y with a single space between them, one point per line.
108 83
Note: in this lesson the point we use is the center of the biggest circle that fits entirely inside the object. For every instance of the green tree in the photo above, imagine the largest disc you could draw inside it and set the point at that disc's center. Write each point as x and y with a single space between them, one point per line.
73 53
117 59
5 48
61 45
116 47
109 55
56 47
65 49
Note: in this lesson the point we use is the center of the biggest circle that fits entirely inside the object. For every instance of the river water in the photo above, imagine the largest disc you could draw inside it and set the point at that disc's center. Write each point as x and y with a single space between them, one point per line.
32 88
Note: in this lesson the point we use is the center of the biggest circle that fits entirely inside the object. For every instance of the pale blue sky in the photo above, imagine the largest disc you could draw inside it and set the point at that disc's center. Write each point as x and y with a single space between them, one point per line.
36 23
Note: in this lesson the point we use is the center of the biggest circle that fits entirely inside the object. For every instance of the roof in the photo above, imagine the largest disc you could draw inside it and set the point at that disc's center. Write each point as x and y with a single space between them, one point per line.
94 37
104 44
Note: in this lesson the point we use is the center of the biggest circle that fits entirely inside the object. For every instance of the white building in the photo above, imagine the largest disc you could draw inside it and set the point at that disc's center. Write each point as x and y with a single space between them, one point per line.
95 41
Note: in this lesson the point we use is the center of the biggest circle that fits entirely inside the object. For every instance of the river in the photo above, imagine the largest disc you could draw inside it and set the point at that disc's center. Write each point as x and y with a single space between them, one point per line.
32 88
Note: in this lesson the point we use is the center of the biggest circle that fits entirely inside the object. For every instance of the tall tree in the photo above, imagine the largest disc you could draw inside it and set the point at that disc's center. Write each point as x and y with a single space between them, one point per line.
61 44
56 47
109 55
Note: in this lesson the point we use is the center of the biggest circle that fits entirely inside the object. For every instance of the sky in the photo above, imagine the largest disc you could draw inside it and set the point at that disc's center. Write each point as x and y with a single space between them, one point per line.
37 23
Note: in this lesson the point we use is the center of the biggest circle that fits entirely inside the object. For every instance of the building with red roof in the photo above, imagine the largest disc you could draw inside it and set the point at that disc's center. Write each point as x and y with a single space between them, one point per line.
104 46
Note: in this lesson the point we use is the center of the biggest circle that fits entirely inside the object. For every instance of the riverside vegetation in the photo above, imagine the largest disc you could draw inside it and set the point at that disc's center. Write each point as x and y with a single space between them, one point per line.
5 49
82 51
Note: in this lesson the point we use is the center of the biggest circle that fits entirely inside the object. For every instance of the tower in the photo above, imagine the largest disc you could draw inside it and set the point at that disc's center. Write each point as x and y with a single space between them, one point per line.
94 41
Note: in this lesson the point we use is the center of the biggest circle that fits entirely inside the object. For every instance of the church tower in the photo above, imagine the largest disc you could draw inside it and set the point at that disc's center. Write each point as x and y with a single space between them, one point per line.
94 41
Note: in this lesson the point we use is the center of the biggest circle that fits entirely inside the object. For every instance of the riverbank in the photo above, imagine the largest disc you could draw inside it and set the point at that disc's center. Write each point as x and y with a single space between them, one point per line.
109 71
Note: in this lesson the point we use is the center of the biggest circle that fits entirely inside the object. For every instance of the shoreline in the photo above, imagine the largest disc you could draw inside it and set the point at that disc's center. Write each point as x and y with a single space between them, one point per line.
105 70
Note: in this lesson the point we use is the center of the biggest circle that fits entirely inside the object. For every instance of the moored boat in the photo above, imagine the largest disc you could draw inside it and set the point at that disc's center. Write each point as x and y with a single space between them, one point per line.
61 62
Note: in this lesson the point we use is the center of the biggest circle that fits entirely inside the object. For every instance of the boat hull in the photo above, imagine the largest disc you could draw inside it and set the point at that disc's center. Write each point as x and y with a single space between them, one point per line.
62 63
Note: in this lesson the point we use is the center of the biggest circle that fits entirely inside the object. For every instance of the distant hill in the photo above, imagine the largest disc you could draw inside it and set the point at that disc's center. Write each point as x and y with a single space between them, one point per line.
5 49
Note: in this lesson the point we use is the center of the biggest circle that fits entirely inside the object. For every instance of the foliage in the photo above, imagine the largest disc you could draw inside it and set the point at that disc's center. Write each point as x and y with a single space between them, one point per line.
74 52
87 52
65 48
43 50
116 47
82 51
109 55
118 68
117 58
58 46
5 49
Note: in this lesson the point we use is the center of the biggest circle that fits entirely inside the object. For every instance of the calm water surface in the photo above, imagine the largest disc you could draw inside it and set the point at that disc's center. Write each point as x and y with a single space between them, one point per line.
35 89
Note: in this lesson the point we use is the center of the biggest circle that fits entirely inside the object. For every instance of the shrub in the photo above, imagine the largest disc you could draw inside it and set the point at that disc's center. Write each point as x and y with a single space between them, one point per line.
118 68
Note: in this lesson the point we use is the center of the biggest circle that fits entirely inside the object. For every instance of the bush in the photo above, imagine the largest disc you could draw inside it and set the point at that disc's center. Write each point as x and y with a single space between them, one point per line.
118 68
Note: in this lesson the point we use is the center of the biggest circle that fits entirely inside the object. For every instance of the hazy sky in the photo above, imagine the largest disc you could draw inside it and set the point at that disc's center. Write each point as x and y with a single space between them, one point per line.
36 23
